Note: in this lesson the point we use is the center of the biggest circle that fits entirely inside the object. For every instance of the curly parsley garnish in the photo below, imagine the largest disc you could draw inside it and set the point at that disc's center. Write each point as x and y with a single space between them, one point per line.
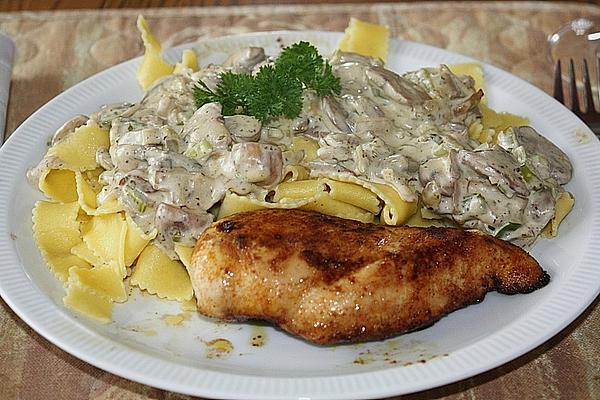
276 90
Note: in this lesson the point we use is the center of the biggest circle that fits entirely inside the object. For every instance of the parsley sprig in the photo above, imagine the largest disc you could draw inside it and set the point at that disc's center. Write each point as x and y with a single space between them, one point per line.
276 90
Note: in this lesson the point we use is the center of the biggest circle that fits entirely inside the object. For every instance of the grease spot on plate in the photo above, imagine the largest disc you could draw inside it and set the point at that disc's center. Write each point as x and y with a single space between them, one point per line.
143 331
258 336
218 348
189 305
399 351
175 319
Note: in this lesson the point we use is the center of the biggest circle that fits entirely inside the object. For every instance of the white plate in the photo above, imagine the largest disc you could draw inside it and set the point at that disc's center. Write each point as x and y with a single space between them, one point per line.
465 343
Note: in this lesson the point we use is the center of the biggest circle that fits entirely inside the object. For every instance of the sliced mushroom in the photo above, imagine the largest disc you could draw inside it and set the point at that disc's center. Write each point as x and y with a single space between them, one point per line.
342 57
243 128
184 188
161 159
176 225
456 87
128 157
466 104
540 209
556 164
49 162
337 146
257 163
498 165
103 158
397 87
146 136
134 180
335 115
443 171
431 195
207 124
246 59
363 106
300 125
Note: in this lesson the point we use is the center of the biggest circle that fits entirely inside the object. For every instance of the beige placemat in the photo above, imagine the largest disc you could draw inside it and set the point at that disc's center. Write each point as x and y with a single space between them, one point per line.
55 50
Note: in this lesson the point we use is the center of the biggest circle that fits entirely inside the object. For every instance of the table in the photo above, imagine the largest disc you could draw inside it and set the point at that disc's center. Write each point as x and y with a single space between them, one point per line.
57 49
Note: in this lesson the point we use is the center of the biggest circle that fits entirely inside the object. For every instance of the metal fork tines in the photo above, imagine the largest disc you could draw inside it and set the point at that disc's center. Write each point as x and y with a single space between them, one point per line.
588 112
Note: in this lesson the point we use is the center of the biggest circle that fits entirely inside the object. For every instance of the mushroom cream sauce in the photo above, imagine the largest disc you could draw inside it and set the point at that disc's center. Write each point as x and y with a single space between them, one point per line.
171 163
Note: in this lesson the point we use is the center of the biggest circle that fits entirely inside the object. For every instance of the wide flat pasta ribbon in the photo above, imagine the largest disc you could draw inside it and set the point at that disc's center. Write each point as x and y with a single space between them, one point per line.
564 205
58 185
135 241
105 236
184 253
78 150
88 303
156 273
104 280
153 66
189 59
56 231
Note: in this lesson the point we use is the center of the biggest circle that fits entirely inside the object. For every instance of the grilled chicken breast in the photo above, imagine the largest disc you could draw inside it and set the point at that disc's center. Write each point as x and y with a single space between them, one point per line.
331 280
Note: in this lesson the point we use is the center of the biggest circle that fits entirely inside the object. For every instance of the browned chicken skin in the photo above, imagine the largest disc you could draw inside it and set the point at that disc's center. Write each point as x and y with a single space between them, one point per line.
331 280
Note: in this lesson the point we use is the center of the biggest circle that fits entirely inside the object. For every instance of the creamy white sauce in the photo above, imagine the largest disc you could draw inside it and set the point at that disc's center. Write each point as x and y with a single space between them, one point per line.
170 164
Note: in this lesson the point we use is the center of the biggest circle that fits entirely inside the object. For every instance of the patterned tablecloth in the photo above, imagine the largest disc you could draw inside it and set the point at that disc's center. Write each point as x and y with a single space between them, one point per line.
55 50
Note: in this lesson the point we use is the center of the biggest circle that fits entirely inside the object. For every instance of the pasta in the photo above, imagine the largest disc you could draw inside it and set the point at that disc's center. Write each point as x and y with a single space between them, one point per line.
185 254
158 274
353 194
135 241
109 206
564 205
325 204
500 121
105 235
358 200
344 199
295 173
396 211
88 303
86 196
153 65
78 150
307 145
82 251
297 190
233 203
189 59
58 185
56 231
366 38
90 232
104 280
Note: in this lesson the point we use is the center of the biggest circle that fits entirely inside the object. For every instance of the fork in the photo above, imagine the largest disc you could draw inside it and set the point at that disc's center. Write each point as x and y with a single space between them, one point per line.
588 112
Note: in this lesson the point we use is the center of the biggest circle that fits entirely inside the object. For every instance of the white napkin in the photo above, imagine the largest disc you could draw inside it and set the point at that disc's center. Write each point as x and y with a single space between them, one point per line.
7 50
